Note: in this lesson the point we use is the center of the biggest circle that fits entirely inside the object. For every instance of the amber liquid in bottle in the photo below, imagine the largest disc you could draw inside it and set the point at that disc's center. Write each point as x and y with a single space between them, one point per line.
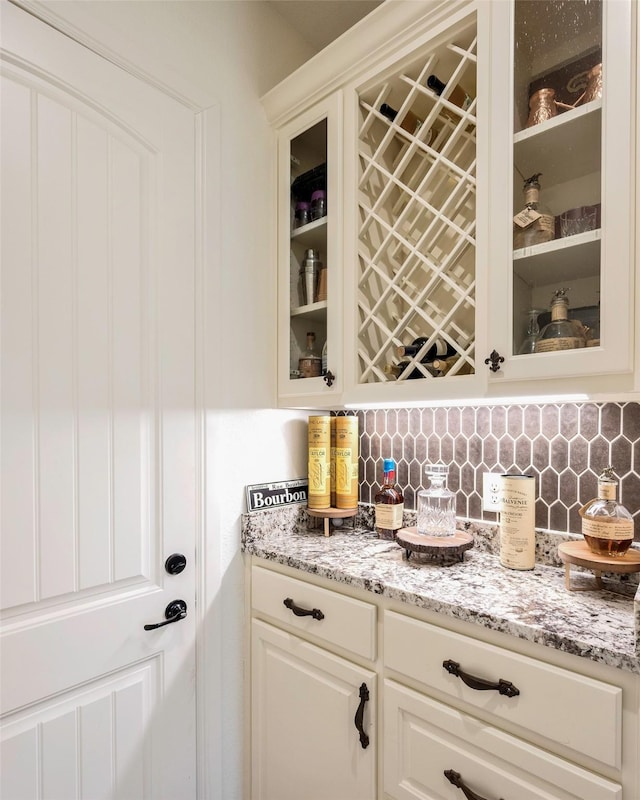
389 504
607 526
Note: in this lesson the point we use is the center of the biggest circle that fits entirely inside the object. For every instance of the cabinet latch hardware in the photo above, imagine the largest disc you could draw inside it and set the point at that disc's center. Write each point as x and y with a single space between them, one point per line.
495 359
480 684
329 378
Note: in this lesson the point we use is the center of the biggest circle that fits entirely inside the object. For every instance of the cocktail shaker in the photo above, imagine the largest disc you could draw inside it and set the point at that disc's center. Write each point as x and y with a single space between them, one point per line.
309 272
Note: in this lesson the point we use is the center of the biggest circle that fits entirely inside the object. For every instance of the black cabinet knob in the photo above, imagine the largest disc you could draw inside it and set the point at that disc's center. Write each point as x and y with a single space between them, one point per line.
175 564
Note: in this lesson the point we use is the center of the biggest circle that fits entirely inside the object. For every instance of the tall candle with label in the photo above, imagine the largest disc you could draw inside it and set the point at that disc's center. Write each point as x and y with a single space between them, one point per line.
517 521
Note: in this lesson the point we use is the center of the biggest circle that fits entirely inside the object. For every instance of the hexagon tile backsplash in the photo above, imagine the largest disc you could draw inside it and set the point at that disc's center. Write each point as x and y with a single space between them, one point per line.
564 446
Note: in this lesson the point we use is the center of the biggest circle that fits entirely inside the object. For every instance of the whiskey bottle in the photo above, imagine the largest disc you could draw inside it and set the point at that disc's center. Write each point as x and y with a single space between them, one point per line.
607 526
389 503
560 333
535 224
457 95
310 363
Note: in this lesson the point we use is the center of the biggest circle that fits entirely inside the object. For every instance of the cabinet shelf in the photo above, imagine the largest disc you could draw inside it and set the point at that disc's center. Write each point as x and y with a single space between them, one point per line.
562 148
312 235
539 265
312 312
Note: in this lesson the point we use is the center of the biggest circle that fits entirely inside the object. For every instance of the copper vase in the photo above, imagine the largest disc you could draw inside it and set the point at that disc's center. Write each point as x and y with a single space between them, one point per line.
594 85
542 106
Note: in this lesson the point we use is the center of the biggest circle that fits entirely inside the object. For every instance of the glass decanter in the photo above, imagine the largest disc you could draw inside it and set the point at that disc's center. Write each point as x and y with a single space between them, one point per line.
436 505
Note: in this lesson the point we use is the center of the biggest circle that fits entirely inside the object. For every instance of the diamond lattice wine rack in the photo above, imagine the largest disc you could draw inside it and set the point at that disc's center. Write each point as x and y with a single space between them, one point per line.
416 216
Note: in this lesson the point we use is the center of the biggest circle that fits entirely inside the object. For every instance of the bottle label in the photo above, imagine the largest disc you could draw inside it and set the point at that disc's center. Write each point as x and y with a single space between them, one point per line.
517 521
607 490
319 474
389 517
526 217
346 470
560 343
618 529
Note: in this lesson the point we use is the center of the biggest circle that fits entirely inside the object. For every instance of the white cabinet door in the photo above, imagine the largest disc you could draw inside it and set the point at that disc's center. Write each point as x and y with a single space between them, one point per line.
98 425
309 162
306 708
435 752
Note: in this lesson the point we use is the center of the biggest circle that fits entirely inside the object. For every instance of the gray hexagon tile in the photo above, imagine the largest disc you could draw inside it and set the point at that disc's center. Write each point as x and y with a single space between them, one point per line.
565 446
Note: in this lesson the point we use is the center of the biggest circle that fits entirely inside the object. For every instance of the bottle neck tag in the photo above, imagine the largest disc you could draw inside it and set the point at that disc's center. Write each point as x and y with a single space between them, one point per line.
526 217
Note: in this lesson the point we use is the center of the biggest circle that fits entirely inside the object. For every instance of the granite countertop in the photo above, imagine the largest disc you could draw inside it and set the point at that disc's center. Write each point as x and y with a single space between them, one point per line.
534 605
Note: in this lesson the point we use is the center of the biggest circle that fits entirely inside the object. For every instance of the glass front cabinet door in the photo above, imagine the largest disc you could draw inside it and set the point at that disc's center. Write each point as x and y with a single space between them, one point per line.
561 215
309 264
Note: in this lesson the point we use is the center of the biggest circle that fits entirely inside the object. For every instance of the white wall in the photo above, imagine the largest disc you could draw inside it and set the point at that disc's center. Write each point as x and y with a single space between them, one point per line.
222 55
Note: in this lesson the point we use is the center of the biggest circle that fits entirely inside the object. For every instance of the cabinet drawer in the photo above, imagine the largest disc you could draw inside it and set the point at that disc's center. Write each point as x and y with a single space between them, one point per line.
565 707
346 623
423 739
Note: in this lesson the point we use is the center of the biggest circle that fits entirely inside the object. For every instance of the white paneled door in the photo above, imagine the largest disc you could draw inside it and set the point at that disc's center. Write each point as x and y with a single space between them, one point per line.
98 428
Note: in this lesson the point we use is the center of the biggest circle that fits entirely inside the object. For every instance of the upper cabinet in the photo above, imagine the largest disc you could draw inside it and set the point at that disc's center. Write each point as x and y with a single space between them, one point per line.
309 256
477 164
411 232
562 188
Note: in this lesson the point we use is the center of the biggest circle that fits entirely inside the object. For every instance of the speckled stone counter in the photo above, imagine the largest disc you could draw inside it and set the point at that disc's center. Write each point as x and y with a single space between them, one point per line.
533 605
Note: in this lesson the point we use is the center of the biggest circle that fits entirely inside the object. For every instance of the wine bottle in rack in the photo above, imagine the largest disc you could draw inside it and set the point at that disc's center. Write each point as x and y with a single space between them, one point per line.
457 95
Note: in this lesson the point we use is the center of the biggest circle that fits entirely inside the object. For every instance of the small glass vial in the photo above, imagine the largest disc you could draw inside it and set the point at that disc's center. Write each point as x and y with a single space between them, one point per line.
607 526
436 505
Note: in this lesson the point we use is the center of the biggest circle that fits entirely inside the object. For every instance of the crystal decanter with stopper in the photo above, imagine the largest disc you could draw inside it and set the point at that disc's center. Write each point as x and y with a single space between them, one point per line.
607 526
437 505
560 333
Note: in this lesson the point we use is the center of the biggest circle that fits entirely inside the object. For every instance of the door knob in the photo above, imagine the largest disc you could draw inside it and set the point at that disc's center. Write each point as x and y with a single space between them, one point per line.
175 611
175 563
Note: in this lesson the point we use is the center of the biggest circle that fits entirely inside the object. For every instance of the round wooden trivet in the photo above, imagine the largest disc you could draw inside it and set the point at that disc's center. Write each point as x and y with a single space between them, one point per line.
331 513
578 553
443 548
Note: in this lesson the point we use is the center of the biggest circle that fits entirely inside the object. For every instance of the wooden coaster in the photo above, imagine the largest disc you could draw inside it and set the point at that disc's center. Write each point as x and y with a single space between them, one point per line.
443 548
328 514
578 553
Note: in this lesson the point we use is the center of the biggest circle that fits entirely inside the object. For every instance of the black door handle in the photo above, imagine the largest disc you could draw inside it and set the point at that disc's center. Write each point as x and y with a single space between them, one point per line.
303 612
175 611
456 779
359 717
480 684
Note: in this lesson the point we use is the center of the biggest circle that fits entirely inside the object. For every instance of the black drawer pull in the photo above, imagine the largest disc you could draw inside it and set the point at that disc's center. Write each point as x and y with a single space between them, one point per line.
502 686
359 717
303 612
456 779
